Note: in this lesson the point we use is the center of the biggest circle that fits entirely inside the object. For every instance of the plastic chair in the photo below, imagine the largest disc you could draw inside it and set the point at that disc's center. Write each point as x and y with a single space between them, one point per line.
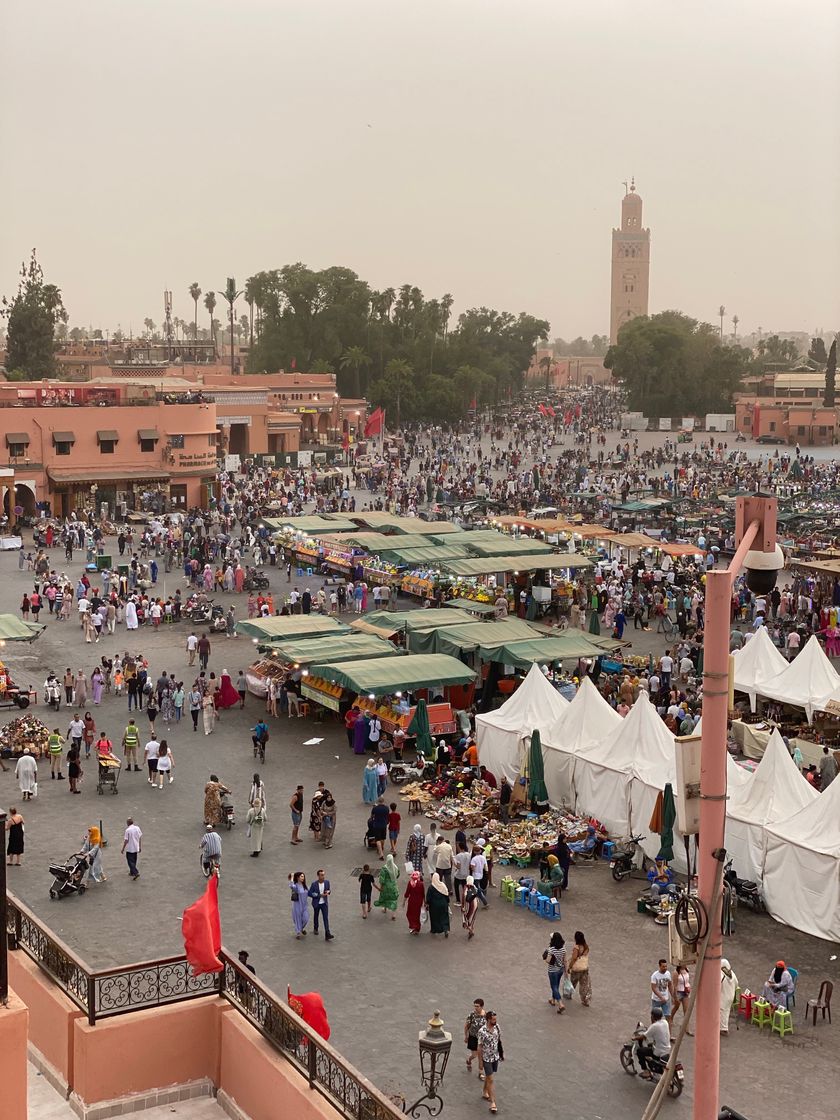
521 896
762 1014
821 1003
791 999
782 1022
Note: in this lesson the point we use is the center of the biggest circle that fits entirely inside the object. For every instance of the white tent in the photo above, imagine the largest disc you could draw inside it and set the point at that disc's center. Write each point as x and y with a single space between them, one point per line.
802 867
503 735
774 792
758 662
807 682
618 778
586 721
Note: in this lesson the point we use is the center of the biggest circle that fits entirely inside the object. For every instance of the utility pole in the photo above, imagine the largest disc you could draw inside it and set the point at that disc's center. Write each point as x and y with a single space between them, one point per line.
4 940
721 312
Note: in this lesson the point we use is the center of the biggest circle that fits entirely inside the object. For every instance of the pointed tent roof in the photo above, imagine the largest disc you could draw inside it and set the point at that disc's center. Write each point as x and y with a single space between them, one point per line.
758 662
776 791
816 826
808 681
584 722
535 704
641 747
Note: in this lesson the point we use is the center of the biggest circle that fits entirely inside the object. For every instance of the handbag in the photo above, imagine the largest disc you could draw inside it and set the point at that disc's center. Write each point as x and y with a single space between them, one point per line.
581 964
424 916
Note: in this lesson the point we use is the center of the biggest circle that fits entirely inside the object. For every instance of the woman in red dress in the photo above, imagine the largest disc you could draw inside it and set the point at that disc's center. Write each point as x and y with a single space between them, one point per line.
413 901
228 697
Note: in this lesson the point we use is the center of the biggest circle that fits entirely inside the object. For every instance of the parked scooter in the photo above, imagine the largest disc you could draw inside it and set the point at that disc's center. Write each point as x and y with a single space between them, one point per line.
656 1066
622 864
745 889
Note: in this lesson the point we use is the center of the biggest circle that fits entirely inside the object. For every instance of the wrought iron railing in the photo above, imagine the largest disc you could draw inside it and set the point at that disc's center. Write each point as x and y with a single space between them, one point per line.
104 993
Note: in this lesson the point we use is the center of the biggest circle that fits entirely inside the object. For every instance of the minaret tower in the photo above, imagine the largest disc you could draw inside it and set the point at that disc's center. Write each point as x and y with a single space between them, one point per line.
630 264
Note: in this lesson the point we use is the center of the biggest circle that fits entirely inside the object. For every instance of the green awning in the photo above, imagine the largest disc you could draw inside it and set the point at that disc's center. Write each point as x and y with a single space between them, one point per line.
469 636
604 644
314 526
14 629
509 546
381 676
290 626
329 647
391 523
486 565
543 651
397 621
471 606
428 554
380 543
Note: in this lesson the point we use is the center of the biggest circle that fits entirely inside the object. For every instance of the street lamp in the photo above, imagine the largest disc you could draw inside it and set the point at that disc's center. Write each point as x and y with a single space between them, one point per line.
435 1044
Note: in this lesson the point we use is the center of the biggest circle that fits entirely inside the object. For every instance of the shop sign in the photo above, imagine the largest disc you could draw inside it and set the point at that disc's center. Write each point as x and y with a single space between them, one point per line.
331 702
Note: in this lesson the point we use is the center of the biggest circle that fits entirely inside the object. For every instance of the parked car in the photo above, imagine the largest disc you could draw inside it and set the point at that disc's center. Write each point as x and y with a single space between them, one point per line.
770 439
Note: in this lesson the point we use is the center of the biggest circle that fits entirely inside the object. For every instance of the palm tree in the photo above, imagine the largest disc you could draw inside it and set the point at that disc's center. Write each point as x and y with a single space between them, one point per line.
230 296
195 292
210 304
399 373
446 302
545 363
354 358
252 289
150 327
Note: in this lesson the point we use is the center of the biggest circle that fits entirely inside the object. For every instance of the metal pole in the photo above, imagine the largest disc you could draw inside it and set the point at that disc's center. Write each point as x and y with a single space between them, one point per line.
4 939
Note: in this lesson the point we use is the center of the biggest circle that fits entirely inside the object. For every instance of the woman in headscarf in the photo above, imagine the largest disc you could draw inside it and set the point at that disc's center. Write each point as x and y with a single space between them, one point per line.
415 851
92 848
387 886
238 578
300 903
213 800
256 819
80 685
370 783
413 900
553 881
227 696
26 772
208 712
728 985
207 578
97 685
778 987
360 734
469 907
437 903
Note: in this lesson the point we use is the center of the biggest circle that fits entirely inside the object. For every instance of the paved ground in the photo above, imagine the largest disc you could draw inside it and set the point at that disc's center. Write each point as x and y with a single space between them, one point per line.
45 1103
379 984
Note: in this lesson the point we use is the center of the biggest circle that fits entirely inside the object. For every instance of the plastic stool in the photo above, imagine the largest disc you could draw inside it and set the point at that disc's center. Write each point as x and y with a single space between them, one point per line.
736 1000
508 888
762 1013
534 901
300 571
782 1022
309 571
303 709
745 1004
549 908
608 849
521 896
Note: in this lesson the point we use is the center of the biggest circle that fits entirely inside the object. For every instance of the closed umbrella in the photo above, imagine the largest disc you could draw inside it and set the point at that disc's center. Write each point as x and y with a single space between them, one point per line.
537 792
419 727
669 815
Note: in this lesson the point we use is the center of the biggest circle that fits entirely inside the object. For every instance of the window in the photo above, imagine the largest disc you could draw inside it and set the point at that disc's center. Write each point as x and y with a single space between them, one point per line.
148 444
176 442
106 446
823 429
16 450
772 425
800 431
62 447
212 441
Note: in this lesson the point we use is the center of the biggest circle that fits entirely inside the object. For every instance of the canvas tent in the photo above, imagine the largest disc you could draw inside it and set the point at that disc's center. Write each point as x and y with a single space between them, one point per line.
802 867
382 676
583 723
808 682
774 792
290 626
504 734
757 663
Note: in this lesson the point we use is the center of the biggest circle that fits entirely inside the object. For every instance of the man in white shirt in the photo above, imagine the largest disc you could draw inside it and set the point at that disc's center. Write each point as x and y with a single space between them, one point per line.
443 858
478 869
666 665
656 1043
151 752
132 846
192 646
661 989
75 732
793 642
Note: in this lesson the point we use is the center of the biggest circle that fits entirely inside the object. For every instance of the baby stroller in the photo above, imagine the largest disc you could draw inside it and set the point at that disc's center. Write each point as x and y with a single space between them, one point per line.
228 814
69 876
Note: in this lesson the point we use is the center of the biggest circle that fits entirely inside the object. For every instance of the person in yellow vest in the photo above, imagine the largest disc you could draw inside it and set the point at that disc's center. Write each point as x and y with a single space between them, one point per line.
130 742
55 745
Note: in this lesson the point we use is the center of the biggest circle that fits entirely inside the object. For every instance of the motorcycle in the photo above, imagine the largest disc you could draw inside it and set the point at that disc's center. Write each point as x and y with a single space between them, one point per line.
218 621
622 864
745 889
656 1066
199 611
255 581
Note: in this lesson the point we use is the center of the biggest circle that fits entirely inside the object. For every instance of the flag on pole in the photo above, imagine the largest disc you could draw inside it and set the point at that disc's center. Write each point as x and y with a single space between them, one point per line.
311 1009
542 410
550 411
375 423
294 363
202 931
474 404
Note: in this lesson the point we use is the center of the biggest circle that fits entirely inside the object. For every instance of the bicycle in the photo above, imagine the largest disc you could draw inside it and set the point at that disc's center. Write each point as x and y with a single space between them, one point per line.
210 865
259 747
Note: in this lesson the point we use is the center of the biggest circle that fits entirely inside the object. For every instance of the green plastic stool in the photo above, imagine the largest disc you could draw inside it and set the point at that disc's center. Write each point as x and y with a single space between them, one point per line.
782 1022
737 1000
762 1013
508 889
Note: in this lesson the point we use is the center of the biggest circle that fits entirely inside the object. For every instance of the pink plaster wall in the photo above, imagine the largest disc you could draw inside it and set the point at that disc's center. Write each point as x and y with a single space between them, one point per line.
51 1014
13 1058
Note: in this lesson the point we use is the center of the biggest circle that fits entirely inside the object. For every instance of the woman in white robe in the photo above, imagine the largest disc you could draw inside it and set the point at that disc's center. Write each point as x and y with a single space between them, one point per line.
130 615
26 773
728 984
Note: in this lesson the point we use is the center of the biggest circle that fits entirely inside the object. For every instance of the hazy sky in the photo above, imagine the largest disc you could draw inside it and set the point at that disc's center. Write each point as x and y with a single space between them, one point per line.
470 146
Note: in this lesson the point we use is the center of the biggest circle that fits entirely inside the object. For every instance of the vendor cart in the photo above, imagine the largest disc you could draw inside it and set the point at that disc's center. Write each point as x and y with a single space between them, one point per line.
109 775
11 696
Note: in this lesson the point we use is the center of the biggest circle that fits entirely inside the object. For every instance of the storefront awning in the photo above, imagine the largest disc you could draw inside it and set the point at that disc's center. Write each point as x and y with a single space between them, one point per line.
16 438
64 437
471 635
329 647
107 435
381 676
486 565
148 433
290 626
542 651
67 477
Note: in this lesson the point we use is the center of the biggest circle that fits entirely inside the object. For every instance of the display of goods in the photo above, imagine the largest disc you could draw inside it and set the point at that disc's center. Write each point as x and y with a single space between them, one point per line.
268 667
24 731
516 841
329 688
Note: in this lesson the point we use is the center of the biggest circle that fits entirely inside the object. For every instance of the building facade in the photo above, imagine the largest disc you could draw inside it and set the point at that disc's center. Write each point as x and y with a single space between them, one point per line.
630 264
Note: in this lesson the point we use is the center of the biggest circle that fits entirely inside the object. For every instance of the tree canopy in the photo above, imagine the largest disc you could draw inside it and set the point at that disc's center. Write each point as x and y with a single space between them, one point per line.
395 346
32 318
672 365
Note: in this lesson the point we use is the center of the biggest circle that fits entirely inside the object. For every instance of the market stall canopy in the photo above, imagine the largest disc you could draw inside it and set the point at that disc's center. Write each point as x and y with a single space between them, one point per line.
314 526
391 523
642 747
502 735
549 526
329 647
290 626
378 543
808 682
397 621
671 548
487 565
427 554
14 629
509 546
381 676
540 651
472 606
603 644
465 536
363 627
587 720
469 636
632 540
757 663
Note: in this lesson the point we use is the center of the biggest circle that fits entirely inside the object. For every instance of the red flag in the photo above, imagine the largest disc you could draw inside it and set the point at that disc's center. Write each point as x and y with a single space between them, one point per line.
294 363
374 423
541 410
474 404
202 931
550 411
345 442
311 1009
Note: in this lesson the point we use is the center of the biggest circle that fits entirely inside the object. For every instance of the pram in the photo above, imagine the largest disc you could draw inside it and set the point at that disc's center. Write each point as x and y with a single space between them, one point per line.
109 774
69 877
